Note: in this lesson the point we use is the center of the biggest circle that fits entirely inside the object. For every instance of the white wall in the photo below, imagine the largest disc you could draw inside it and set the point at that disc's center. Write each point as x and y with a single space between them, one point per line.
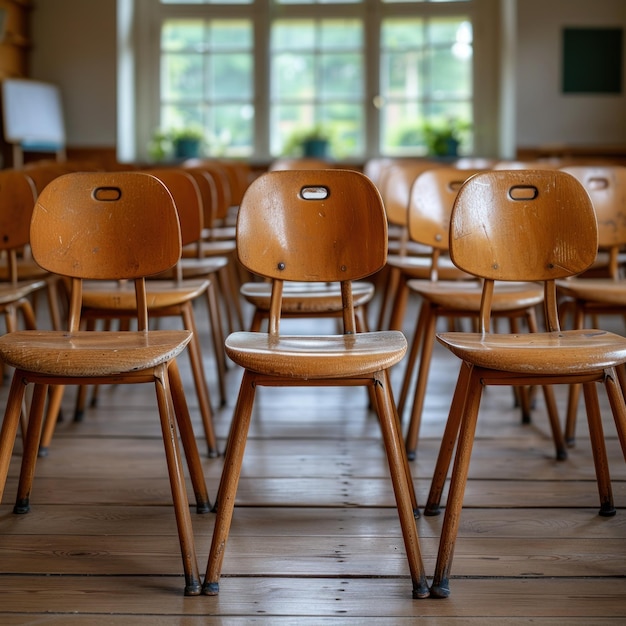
75 48
75 41
545 116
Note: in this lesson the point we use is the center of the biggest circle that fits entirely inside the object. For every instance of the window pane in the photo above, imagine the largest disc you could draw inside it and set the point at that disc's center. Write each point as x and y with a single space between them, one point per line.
230 77
426 78
207 81
181 76
317 79
293 76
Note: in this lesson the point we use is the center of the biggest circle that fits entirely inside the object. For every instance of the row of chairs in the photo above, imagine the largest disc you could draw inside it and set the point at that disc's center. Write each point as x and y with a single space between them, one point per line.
311 226
476 216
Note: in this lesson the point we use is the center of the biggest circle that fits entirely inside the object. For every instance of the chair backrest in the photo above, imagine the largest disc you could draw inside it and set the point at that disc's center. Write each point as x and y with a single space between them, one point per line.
523 225
606 186
105 226
17 199
208 193
430 204
312 225
395 187
186 194
223 194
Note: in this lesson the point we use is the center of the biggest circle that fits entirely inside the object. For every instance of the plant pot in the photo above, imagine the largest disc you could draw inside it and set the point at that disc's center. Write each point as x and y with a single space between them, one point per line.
186 148
317 148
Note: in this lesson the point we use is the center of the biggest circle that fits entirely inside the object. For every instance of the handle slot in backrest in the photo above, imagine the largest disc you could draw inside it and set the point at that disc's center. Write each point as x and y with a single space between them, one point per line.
107 194
523 193
317 192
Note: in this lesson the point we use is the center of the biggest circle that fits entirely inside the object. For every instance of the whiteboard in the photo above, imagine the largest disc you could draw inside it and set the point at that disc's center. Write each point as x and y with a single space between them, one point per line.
32 114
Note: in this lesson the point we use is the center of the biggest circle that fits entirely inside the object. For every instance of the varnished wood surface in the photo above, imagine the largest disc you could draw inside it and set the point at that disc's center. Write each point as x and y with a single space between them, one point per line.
315 537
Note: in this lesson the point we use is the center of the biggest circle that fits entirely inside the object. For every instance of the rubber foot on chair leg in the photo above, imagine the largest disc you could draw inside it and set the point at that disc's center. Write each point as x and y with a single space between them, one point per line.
42 452
210 589
561 455
212 453
441 589
203 507
78 416
607 510
193 589
420 590
430 510
411 455
22 506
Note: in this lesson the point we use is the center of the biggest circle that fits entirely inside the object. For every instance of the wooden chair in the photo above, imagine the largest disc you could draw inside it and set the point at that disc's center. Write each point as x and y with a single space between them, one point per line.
432 197
589 295
312 226
522 225
166 298
92 226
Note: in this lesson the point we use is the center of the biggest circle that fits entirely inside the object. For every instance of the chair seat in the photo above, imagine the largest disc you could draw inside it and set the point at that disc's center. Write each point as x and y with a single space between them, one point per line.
304 297
210 248
27 269
548 353
90 353
10 293
597 290
319 356
160 294
193 267
219 233
466 295
420 267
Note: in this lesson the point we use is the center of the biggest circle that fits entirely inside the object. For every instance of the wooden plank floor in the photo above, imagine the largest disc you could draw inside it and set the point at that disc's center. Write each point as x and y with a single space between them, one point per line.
315 537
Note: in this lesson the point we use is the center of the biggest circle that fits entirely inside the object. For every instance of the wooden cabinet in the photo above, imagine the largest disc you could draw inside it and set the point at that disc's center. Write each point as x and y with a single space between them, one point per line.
14 37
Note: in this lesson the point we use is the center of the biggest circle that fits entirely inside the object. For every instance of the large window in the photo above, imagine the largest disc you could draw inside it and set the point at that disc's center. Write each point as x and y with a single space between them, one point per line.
375 76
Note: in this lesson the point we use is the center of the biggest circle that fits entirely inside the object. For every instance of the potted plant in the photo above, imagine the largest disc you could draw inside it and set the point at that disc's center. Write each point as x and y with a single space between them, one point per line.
312 142
180 143
444 138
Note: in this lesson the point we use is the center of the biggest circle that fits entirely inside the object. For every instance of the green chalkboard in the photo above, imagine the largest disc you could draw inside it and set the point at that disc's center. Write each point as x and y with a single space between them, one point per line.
592 60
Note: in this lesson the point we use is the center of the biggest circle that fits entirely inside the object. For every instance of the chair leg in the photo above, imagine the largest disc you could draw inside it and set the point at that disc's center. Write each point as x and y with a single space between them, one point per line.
555 424
391 284
572 414
188 439
400 479
227 491
598 448
448 442
52 417
410 361
217 335
398 307
202 390
574 391
615 391
177 482
440 587
31 448
10 423
428 340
